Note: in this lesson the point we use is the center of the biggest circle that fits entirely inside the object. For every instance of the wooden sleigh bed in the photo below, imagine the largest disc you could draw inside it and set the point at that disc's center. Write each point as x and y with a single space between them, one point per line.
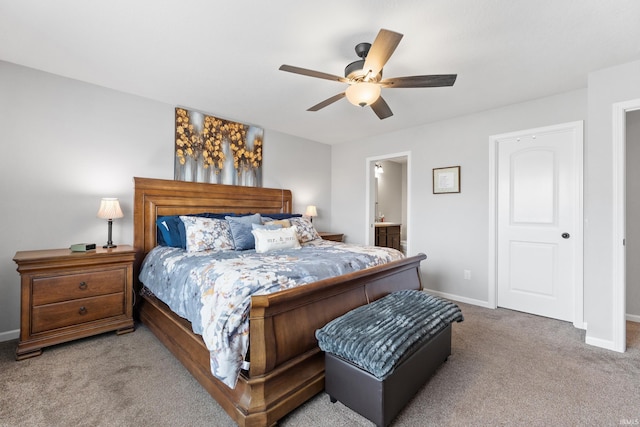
286 365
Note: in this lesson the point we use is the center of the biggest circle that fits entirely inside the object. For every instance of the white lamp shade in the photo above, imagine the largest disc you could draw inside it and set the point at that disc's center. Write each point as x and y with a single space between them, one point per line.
363 93
109 208
311 211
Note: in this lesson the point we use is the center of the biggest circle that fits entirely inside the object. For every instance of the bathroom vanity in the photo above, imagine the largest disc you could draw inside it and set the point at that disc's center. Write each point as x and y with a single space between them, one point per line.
388 234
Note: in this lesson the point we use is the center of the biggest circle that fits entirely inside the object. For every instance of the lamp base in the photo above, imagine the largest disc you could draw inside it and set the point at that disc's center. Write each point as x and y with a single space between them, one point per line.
109 244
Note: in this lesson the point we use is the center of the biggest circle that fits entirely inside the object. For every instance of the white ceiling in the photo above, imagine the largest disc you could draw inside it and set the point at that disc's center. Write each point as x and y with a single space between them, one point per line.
222 57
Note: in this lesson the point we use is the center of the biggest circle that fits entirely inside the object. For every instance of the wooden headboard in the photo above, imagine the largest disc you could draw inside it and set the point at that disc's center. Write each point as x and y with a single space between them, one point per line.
157 197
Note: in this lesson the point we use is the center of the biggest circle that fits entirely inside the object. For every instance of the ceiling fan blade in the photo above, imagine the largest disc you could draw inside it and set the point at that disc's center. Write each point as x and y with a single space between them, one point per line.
381 108
327 102
435 80
312 73
381 50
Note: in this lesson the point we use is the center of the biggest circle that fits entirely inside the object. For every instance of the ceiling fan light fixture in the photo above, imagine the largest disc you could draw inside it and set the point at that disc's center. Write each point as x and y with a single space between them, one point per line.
363 93
364 76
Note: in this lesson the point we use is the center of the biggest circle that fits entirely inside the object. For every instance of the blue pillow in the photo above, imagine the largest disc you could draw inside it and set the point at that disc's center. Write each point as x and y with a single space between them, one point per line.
217 215
160 234
241 230
169 235
278 216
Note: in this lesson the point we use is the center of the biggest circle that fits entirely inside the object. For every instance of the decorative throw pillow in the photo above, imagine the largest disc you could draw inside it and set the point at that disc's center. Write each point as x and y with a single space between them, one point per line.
241 230
266 226
304 228
283 223
202 234
171 231
272 240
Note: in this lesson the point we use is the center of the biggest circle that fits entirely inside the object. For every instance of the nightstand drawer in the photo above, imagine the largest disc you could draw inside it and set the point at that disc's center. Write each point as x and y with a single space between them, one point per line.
47 290
58 315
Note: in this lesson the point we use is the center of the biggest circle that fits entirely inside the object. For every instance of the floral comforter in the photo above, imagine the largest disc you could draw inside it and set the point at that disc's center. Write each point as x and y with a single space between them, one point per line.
213 289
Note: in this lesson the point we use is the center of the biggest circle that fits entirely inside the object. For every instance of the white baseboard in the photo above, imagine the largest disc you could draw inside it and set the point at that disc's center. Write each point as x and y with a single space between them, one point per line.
9 335
607 344
486 304
598 342
579 325
465 300
633 318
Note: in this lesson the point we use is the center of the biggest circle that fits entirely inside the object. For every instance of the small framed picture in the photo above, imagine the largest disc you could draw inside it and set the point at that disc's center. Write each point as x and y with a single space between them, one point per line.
446 180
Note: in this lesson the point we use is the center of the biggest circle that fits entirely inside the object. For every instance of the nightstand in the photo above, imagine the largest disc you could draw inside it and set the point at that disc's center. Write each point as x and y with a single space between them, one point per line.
336 237
69 295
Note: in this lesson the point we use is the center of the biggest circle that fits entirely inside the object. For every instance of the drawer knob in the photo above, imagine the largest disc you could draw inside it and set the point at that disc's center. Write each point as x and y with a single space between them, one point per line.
83 310
82 285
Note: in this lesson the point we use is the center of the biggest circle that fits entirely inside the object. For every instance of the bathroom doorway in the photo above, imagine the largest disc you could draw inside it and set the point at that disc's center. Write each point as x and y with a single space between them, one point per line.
388 190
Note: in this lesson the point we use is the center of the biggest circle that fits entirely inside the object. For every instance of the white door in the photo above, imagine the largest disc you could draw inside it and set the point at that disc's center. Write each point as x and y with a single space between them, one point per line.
537 186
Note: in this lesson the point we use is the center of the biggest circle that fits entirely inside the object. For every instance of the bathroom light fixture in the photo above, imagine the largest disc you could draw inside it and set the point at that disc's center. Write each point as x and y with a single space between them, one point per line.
109 210
378 170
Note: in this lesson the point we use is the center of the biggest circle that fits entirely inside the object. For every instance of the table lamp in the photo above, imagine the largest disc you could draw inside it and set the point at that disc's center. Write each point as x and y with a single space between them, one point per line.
311 212
109 209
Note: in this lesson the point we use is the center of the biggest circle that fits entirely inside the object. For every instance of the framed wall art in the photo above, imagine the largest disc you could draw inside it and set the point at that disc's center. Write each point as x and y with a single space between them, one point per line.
217 151
446 180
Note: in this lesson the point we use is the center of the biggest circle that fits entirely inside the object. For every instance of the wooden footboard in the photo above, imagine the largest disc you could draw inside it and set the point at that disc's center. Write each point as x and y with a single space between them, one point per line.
286 366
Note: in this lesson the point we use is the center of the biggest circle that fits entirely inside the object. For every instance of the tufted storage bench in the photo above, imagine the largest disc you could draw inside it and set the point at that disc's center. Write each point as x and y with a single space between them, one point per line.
379 355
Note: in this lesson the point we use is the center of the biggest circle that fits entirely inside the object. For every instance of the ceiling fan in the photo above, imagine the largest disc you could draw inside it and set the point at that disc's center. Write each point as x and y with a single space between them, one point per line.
364 76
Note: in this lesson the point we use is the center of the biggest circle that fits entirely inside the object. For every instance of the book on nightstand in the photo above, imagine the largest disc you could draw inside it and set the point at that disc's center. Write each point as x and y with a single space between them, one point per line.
82 247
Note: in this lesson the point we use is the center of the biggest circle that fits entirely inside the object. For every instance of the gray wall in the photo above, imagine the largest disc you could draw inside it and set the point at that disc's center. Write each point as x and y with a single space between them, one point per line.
605 88
451 229
633 213
65 144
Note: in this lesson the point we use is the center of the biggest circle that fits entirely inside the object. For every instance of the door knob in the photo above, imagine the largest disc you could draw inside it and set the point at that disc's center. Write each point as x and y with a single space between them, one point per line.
565 235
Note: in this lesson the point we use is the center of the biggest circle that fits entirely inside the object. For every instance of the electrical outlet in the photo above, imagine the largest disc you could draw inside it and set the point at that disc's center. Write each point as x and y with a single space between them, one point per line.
467 274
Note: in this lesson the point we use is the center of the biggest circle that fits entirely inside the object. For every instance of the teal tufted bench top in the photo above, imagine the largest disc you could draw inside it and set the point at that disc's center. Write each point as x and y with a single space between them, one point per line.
376 337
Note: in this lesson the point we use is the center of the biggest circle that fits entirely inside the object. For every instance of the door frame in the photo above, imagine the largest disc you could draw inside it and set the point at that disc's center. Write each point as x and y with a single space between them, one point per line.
578 292
619 278
369 203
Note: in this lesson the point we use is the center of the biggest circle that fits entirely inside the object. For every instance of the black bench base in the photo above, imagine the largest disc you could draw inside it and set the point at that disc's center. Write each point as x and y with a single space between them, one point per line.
381 400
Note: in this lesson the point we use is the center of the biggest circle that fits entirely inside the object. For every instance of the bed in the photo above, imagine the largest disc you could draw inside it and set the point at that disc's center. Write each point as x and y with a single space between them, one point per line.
286 365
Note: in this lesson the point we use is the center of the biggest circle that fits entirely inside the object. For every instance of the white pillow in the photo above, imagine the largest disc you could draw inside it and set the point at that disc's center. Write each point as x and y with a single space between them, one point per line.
272 240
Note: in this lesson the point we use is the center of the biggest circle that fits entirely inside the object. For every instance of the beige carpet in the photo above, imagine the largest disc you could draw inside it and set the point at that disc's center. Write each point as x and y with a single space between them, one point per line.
507 368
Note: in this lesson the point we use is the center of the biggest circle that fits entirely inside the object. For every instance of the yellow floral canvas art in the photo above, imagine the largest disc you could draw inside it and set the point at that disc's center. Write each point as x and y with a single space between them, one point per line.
213 150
